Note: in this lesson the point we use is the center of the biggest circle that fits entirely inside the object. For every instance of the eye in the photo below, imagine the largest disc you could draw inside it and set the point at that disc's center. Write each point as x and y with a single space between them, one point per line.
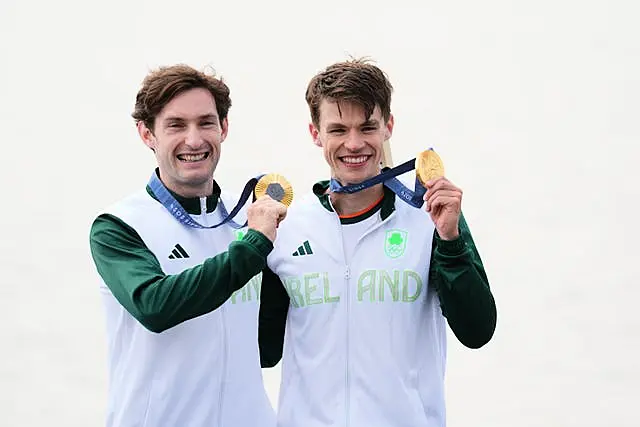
175 125
369 129
336 131
208 124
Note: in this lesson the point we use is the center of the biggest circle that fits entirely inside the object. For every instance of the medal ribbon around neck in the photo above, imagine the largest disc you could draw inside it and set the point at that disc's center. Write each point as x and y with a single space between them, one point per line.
427 164
275 186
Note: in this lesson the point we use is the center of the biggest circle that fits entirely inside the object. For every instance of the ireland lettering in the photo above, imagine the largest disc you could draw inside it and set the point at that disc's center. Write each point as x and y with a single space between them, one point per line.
249 292
310 289
396 286
372 286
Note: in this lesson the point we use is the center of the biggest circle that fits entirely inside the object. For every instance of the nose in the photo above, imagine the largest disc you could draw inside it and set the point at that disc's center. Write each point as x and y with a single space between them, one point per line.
194 138
354 142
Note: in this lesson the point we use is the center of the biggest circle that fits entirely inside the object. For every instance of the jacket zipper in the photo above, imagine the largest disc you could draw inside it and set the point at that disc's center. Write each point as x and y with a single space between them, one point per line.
347 397
225 356
347 277
223 374
224 365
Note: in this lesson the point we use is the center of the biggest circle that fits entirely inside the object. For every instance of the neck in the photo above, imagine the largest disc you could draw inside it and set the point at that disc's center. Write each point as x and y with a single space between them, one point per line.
189 191
348 204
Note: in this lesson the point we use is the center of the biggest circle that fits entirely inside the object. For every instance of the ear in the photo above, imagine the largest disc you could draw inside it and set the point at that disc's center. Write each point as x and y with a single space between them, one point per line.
225 129
315 135
389 128
147 136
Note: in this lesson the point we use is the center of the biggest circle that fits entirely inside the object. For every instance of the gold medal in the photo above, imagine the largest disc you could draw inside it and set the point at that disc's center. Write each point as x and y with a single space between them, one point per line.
275 186
429 166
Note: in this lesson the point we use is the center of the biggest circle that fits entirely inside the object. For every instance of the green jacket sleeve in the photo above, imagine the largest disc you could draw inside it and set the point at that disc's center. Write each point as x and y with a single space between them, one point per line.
274 306
160 301
460 280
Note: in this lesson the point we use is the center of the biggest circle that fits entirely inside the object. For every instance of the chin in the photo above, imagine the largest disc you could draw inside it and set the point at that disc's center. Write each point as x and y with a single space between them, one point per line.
350 179
197 175
354 177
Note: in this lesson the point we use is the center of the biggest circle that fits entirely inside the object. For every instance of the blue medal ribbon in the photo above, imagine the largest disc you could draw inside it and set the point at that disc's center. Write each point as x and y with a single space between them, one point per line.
175 208
388 178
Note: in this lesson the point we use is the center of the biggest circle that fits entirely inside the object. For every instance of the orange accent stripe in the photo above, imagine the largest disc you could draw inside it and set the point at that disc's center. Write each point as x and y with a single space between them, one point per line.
363 211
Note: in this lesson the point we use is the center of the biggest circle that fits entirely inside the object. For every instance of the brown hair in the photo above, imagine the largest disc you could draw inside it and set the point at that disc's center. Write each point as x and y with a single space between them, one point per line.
162 85
355 80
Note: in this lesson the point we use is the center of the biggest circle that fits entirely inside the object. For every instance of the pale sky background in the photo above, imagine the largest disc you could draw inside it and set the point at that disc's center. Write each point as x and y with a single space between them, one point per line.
533 106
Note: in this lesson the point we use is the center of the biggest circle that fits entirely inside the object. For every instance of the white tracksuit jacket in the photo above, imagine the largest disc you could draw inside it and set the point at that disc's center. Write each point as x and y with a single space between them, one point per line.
365 340
204 372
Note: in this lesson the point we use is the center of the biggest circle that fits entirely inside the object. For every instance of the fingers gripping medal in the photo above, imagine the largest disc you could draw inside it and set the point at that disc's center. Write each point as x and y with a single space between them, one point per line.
275 186
429 166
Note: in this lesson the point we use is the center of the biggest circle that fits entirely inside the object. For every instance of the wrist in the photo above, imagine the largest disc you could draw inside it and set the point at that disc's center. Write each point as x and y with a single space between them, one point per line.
451 247
449 236
259 240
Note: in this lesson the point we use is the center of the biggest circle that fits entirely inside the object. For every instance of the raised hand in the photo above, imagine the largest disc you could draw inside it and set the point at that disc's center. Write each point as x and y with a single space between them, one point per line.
265 214
444 203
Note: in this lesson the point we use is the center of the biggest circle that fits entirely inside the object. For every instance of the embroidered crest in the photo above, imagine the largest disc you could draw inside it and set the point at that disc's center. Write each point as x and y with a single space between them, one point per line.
395 243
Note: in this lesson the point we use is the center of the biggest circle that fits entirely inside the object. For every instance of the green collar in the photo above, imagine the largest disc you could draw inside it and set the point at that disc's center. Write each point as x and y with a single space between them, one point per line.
386 207
192 204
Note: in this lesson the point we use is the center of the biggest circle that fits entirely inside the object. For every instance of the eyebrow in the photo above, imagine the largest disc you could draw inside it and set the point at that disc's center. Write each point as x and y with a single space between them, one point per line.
336 125
180 119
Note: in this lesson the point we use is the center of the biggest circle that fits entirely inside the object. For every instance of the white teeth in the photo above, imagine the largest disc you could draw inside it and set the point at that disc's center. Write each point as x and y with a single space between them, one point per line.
192 157
354 160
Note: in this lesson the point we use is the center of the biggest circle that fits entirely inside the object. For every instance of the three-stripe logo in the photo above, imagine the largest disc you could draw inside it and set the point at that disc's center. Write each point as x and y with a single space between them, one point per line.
178 252
304 249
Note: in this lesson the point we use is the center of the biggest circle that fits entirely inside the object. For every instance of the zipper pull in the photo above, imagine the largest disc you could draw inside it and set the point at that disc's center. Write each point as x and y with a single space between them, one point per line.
203 205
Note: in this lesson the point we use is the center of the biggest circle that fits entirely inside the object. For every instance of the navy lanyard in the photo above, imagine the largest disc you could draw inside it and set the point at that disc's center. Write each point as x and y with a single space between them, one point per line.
388 177
172 205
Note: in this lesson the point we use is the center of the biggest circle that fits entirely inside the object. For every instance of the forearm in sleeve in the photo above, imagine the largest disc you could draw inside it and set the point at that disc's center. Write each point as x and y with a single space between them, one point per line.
463 288
160 301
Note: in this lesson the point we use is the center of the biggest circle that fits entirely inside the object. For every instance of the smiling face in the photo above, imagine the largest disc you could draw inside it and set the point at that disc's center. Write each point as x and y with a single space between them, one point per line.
351 142
186 138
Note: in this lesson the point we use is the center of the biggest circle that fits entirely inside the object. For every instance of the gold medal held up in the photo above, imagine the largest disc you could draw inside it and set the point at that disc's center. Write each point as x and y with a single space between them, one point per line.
429 166
275 186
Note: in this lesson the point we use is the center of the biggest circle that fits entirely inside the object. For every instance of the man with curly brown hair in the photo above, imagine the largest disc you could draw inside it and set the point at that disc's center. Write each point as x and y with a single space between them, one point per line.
179 277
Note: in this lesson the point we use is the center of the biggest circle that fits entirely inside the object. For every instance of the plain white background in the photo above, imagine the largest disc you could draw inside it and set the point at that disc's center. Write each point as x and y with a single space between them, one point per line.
533 106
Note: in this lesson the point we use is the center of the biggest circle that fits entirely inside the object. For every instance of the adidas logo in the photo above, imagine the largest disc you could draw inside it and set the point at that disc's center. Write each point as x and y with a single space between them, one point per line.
178 252
304 249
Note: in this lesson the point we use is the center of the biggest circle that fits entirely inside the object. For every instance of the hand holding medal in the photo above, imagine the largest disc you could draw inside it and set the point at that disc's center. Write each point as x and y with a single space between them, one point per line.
443 199
273 194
